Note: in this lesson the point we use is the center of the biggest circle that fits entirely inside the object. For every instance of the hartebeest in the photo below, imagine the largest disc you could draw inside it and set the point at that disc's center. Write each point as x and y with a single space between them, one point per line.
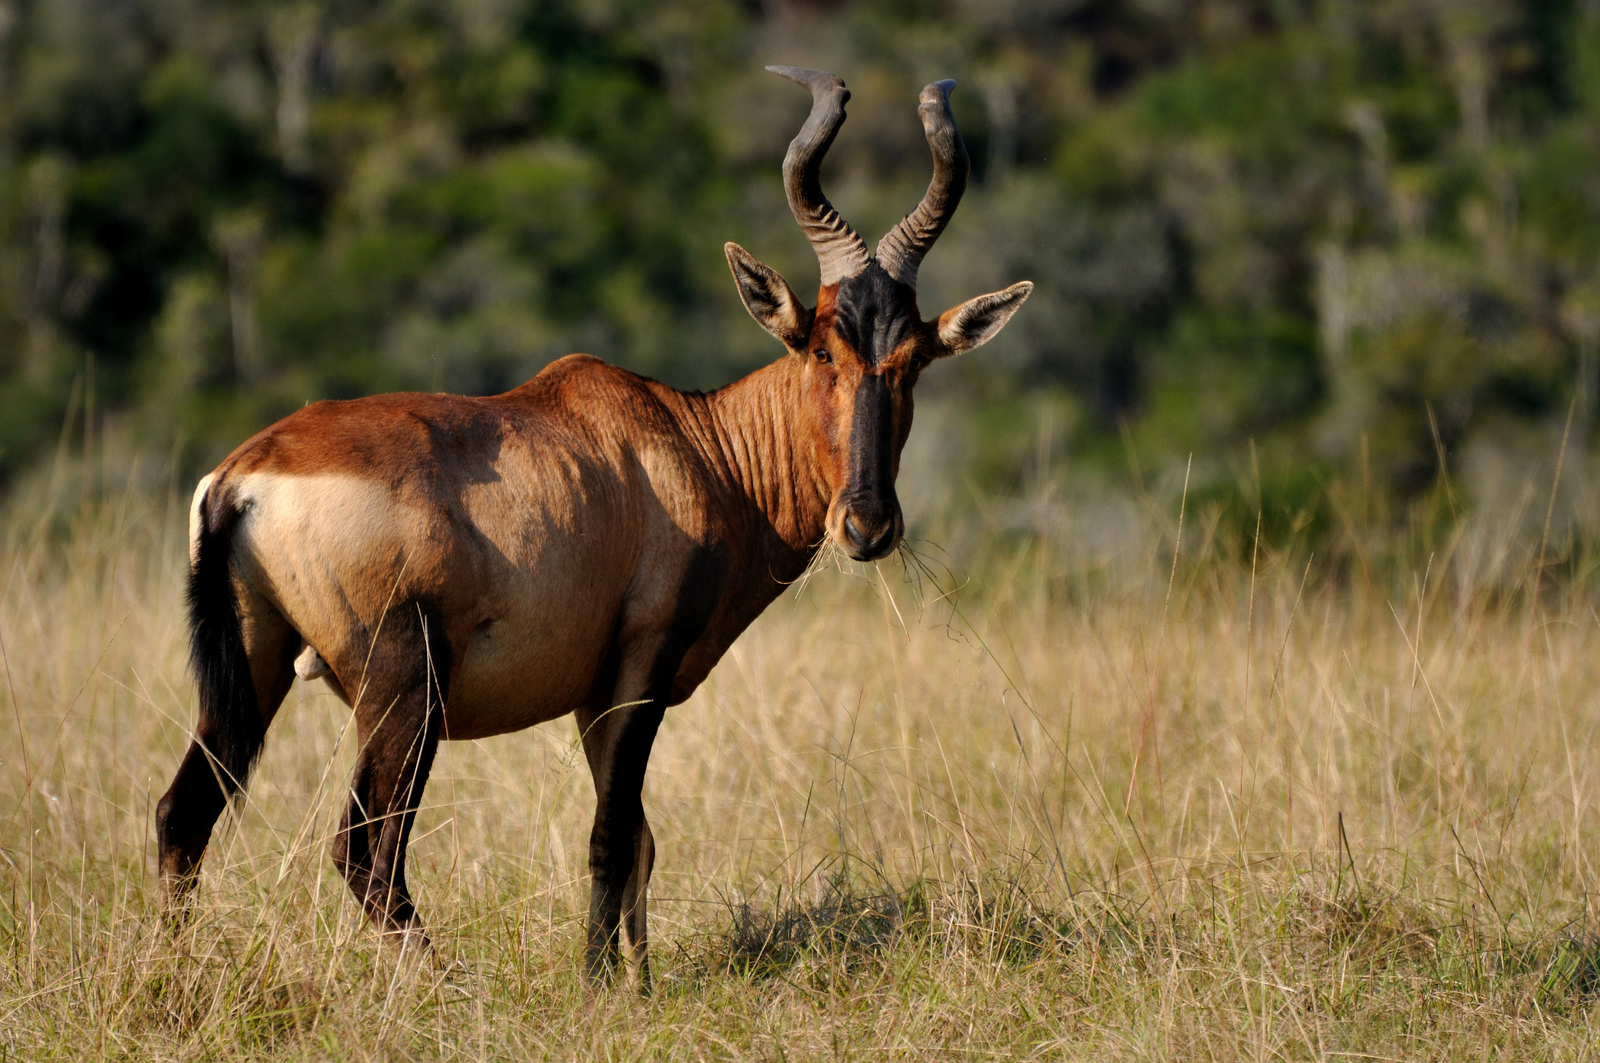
591 542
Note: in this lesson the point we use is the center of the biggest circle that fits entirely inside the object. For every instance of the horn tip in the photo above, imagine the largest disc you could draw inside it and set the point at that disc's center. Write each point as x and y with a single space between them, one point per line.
811 79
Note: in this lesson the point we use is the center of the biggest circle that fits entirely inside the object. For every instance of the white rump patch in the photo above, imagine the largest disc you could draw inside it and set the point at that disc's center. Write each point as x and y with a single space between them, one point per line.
310 665
194 519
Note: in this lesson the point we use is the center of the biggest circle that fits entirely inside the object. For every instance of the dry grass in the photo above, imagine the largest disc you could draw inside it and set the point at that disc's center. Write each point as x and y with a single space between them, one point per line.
1202 810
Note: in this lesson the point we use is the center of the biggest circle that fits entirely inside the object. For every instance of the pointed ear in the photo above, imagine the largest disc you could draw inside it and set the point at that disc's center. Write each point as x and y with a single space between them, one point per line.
977 321
769 298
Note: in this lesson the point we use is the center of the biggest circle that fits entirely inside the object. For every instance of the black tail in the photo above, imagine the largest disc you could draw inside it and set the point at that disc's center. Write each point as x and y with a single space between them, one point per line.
230 726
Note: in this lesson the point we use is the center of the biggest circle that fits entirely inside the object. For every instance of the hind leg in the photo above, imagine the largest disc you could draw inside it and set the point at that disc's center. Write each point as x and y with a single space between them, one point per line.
197 796
398 721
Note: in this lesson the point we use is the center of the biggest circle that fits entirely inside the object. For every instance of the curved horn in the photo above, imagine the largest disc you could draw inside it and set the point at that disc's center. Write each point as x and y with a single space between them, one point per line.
840 251
902 250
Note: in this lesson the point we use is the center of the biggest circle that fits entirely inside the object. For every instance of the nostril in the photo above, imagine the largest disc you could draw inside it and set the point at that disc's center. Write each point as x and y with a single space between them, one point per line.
868 539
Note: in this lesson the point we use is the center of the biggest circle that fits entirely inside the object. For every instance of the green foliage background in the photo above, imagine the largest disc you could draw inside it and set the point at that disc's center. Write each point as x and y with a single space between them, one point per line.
1328 238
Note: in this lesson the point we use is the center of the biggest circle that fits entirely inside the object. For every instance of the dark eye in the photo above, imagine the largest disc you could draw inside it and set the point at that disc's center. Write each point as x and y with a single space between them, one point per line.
822 355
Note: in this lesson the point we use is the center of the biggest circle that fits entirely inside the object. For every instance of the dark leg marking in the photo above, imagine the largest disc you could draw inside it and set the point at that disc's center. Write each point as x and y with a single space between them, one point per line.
617 740
398 723
240 689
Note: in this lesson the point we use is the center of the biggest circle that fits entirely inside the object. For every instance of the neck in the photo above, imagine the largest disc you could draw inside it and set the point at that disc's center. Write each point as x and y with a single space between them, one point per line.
751 434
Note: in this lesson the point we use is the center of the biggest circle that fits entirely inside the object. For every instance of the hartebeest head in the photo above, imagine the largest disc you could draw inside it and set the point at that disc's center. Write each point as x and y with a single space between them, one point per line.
865 344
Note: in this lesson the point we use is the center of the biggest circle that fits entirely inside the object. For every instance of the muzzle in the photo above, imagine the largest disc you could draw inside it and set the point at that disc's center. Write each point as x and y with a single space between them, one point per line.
870 528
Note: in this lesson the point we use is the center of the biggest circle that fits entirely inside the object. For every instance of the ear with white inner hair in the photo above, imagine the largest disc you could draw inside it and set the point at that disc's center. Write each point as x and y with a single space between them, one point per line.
977 321
769 298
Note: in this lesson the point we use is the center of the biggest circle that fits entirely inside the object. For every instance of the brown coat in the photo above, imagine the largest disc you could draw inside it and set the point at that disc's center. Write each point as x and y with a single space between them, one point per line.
586 511
590 543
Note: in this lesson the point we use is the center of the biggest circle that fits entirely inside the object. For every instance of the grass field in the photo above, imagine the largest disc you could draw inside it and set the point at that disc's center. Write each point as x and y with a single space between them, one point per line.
1214 803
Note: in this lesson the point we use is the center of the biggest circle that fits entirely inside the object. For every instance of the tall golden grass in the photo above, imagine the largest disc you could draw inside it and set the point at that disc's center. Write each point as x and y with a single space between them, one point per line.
1221 801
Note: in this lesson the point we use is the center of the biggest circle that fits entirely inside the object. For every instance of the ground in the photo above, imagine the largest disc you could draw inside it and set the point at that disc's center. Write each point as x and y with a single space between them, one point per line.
1229 803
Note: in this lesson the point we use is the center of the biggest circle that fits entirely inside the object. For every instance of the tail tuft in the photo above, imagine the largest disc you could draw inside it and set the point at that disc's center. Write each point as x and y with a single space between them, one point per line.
230 725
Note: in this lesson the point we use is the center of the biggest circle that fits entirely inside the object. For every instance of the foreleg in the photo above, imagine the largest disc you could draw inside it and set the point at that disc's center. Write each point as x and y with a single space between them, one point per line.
621 847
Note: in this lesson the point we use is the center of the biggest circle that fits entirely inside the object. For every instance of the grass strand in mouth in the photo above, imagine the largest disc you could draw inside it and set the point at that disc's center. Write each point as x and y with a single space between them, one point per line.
907 828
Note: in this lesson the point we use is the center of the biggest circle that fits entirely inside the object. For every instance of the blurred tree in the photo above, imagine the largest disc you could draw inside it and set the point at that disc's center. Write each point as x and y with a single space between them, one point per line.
1320 227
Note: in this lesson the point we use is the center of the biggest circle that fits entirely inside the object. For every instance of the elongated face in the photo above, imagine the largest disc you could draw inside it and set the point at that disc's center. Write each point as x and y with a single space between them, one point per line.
867 346
863 348
865 343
